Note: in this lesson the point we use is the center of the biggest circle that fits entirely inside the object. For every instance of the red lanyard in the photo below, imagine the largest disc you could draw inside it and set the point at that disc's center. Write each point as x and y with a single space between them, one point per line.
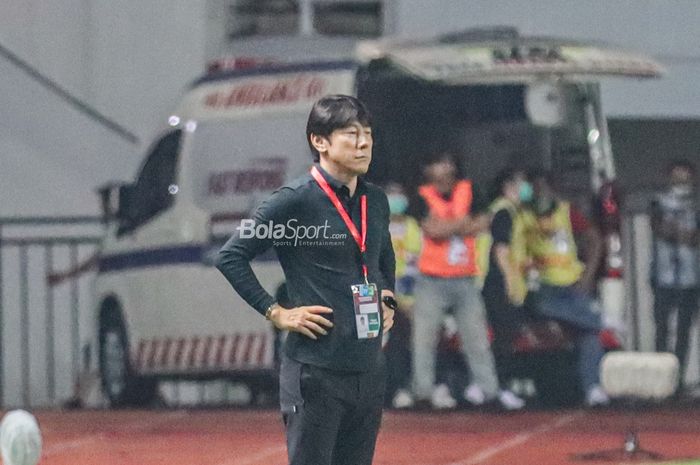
359 239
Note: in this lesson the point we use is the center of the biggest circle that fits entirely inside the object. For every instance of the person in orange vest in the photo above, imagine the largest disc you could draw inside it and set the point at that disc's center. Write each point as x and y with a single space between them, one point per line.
565 284
450 219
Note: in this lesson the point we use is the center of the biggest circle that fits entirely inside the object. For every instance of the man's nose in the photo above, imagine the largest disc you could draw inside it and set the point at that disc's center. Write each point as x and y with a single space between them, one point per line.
363 140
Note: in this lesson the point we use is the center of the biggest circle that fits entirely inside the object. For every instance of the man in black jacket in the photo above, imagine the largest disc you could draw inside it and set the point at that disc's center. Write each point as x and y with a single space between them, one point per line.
330 230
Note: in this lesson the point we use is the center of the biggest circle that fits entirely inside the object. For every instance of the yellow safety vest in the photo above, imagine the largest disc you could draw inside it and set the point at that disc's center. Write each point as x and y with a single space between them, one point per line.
406 241
550 243
518 253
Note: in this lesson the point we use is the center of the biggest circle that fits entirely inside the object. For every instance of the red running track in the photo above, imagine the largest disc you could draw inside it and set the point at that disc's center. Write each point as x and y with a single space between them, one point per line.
253 437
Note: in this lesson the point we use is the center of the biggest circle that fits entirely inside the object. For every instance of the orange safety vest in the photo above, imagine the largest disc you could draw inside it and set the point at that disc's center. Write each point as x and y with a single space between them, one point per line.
454 257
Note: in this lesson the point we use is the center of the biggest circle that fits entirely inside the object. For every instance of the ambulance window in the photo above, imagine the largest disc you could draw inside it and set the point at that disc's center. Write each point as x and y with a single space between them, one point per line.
361 18
262 18
154 189
353 18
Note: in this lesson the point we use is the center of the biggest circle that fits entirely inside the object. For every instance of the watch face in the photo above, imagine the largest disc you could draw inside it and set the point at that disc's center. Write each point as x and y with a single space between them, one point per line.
390 302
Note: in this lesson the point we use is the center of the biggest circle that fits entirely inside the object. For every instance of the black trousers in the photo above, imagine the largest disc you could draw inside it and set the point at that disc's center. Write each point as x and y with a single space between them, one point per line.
665 301
331 417
505 320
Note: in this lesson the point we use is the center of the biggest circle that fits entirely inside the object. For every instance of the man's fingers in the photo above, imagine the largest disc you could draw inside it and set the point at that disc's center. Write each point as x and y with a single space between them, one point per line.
388 325
314 327
320 320
388 319
317 309
306 332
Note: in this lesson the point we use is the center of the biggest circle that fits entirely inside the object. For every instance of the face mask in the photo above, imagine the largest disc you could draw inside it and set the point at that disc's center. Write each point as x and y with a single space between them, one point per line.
397 204
525 193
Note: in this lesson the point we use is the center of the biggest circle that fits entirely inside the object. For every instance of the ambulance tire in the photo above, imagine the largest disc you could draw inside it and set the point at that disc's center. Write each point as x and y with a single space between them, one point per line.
120 384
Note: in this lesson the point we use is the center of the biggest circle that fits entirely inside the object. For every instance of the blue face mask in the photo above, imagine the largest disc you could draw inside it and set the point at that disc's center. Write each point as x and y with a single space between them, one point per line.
398 204
525 192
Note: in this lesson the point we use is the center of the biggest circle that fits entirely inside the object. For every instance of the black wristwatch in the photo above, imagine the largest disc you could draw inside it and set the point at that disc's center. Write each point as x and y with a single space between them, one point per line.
390 302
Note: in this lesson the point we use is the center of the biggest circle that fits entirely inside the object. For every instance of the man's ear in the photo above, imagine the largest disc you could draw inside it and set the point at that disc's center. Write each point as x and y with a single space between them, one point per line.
320 143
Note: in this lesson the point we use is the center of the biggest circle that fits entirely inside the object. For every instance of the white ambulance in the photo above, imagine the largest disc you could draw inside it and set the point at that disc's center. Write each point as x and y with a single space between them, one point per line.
164 312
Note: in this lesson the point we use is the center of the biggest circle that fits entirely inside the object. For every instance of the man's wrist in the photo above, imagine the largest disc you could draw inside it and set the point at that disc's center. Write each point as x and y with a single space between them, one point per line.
271 311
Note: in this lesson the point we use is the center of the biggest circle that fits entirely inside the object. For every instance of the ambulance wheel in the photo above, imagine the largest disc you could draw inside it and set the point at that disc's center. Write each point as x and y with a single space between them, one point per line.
119 382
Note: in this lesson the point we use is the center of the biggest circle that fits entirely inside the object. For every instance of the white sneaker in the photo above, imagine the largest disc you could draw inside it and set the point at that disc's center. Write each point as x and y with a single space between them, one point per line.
474 395
509 401
596 397
441 398
402 399
529 388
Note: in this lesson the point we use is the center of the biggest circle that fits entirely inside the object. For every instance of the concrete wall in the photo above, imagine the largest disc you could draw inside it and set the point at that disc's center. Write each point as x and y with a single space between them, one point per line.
53 155
54 37
145 54
128 60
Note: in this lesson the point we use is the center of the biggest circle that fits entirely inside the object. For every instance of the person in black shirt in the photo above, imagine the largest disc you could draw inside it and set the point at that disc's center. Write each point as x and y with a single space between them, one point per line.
504 288
332 369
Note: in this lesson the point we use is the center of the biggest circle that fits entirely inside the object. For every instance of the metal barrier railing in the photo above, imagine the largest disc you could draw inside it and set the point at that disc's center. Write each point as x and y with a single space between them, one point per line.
36 296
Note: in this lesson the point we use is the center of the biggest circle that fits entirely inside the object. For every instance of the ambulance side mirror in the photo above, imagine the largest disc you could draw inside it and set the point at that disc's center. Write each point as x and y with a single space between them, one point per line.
111 200
125 210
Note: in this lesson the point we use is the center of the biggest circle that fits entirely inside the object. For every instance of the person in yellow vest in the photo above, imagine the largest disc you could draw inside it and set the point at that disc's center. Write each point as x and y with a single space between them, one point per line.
450 219
565 282
406 240
505 288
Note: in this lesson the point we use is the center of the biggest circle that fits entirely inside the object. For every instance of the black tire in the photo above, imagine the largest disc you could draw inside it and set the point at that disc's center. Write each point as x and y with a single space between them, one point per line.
120 384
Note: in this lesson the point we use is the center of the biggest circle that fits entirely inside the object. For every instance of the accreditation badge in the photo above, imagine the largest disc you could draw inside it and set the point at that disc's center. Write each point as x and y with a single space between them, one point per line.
457 254
367 317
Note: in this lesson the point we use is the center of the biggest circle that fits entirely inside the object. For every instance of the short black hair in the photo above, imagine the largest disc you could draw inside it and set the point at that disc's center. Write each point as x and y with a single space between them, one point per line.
505 176
535 174
335 112
441 155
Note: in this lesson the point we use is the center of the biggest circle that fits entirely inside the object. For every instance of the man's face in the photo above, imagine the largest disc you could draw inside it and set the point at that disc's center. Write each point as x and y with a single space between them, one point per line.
541 189
442 174
681 175
543 196
349 147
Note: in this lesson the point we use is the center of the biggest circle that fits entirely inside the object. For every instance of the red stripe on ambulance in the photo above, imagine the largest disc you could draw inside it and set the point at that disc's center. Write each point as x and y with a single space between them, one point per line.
234 350
220 351
165 354
248 348
193 352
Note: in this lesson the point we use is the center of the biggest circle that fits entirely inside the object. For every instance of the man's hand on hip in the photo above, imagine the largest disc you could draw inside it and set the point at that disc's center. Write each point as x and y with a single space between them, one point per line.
306 320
